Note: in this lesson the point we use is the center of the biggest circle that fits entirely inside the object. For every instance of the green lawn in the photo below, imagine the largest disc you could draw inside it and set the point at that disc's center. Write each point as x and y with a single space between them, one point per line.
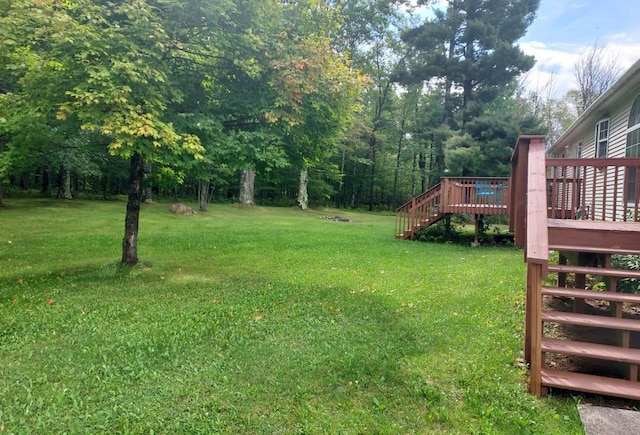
264 320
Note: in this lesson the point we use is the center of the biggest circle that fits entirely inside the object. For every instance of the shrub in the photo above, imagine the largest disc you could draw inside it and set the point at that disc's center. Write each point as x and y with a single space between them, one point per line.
627 262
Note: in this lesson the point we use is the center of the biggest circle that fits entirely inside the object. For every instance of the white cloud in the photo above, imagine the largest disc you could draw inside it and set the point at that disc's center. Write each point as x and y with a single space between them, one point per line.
555 62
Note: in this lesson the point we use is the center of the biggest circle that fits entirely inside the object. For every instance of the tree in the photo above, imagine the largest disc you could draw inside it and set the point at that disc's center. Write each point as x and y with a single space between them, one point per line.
317 92
470 48
329 97
486 144
595 71
107 67
541 102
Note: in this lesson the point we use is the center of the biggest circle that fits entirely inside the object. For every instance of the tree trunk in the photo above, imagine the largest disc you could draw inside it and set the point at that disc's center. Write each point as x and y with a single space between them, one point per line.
130 241
105 186
203 194
247 181
147 193
422 163
372 180
396 173
430 171
414 169
65 183
340 197
303 192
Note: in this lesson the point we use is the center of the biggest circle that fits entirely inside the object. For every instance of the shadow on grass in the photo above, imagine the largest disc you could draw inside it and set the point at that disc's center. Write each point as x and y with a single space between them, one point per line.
261 355
324 357
89 274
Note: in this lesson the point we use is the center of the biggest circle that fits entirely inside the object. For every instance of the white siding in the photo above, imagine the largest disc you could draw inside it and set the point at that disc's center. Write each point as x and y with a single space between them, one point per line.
618 132
619 119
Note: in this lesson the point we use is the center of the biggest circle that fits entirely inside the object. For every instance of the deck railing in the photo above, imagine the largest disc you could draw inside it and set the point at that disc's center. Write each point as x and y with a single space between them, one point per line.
410 214
475 195
594 189
529 216
460 195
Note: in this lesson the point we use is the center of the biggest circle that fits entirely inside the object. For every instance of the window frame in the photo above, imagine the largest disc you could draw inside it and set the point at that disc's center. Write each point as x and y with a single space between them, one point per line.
631 174
601 144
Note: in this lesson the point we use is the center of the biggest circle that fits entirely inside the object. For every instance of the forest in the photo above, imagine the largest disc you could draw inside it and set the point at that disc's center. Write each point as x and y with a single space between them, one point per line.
344 103
364 100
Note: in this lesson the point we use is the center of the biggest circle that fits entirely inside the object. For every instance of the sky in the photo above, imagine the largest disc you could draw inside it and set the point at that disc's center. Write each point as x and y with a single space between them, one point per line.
563 29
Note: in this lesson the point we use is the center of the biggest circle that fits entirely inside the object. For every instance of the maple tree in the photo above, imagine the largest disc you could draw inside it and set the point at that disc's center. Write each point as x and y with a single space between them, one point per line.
201 89
104 66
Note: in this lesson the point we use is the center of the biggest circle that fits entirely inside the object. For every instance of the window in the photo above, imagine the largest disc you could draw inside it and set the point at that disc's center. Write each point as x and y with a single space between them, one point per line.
602 138
633 148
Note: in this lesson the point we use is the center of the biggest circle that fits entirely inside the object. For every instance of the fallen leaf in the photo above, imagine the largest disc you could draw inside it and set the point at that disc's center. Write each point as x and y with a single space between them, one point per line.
49 301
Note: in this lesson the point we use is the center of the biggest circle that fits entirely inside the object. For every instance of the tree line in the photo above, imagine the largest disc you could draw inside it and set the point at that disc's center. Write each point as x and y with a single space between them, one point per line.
351 103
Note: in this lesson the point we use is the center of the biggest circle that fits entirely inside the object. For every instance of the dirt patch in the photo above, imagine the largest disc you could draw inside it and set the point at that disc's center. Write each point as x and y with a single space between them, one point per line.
336 218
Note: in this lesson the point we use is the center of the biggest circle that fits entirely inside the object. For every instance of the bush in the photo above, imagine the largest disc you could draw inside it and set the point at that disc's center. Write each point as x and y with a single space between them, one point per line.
627 262
447 230
454 231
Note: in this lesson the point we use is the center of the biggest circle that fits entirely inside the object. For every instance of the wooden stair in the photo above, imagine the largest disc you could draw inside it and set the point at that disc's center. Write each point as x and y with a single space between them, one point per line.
575 238
590 320
594 236
420 212
591 384
592 350
590 294
598 331
587 270
474 196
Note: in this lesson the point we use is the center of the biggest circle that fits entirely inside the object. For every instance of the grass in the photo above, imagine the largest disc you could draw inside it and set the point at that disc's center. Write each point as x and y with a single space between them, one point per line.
257 320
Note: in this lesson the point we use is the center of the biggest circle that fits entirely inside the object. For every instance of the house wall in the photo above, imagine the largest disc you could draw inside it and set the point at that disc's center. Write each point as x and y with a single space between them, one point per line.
618 115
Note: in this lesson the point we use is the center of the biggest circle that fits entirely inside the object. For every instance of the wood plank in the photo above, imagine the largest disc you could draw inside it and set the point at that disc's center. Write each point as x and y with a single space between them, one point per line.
593 321
518 191
537 236
630 227
594 249
600 271
592 350
591 384
591 294
594 236
534 327
594 163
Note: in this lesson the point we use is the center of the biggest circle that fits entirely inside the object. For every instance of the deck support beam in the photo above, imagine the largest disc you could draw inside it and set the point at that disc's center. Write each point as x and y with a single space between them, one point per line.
478 223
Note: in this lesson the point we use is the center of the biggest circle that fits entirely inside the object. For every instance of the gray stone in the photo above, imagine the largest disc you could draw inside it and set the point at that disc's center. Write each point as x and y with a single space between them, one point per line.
598 420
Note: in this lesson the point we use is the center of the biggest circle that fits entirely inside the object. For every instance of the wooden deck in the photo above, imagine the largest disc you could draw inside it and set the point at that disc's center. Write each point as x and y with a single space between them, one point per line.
453 195
588 211
581 209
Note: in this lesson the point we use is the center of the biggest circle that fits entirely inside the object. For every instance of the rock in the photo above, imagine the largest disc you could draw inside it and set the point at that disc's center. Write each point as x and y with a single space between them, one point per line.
181 209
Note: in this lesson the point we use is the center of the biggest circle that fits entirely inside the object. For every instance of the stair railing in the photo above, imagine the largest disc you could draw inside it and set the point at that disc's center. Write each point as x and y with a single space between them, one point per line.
411 214
528 219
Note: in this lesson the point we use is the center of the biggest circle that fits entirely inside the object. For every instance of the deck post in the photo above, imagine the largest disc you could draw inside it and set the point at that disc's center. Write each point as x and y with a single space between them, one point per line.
445 197
534 326
412 217
478 224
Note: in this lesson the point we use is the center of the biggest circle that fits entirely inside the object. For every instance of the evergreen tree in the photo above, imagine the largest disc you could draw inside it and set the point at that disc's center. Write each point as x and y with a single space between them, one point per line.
470 49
